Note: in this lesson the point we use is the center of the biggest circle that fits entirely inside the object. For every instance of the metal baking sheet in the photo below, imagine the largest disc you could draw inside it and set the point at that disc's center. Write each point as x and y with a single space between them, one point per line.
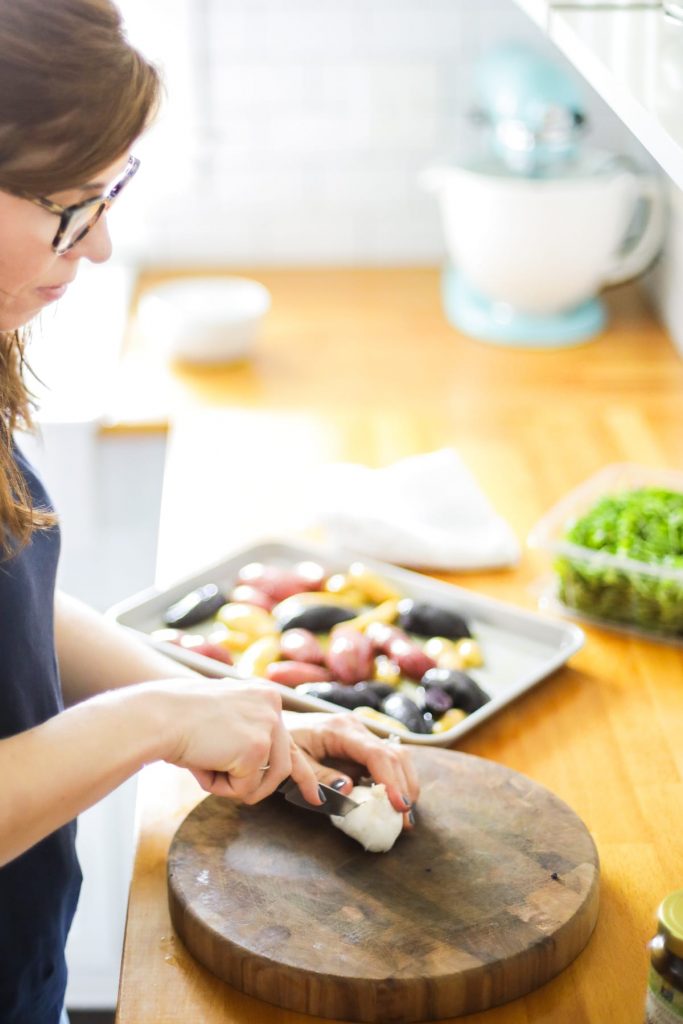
519 647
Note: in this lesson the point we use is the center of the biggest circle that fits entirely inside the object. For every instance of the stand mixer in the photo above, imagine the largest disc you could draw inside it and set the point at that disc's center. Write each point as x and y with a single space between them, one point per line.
540 223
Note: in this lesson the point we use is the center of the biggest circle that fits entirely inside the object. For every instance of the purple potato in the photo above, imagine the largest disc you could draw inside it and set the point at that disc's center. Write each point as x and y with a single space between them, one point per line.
431 620
466 694
198 605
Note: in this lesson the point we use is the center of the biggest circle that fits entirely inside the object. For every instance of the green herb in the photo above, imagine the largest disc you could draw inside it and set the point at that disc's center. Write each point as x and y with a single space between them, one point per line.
643 525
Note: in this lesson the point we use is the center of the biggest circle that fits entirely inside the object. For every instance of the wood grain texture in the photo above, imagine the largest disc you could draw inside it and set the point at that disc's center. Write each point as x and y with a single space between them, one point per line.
602 733
495 892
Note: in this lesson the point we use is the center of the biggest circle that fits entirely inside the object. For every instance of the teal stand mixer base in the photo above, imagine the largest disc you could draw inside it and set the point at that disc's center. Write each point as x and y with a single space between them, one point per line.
500 324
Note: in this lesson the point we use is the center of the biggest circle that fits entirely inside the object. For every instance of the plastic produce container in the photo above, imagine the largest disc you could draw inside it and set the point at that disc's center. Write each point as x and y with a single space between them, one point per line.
616 545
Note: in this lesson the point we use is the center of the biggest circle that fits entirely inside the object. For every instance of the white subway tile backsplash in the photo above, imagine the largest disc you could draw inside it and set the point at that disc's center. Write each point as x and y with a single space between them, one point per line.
309 121
240 85
363 185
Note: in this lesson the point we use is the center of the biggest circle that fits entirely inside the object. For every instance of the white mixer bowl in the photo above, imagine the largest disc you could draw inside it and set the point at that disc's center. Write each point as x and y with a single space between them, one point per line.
543 246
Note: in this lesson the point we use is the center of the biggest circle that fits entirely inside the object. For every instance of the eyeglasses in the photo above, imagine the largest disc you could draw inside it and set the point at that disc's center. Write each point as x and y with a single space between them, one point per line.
77 220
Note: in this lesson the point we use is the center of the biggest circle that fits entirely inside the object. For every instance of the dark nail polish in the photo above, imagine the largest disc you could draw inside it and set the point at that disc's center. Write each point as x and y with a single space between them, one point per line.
411 817
405 800
321 794
338 784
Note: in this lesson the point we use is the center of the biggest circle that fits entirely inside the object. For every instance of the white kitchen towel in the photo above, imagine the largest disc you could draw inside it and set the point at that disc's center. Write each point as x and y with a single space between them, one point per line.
426 511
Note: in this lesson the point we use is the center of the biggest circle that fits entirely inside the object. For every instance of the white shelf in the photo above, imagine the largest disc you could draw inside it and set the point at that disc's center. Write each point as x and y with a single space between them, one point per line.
634 59
537 10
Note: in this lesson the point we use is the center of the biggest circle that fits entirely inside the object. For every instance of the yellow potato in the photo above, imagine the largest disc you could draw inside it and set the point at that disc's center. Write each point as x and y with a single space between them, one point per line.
258 656
377 716
450 719
385 612
373 586
445 653
386 671
343 587
470 651
232 639
246 618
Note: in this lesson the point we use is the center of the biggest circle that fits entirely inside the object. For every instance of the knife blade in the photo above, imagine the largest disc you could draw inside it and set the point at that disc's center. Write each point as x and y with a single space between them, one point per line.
335 803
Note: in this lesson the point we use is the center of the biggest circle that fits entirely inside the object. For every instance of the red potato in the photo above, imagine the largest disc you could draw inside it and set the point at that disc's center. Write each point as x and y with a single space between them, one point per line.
215 652
291 673
301 645
411 659
311 573
198 645
245 593
381 636
397 645
280 583
350 656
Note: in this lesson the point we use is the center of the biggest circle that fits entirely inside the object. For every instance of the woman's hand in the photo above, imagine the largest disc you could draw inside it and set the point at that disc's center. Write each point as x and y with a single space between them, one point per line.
231 736
342 737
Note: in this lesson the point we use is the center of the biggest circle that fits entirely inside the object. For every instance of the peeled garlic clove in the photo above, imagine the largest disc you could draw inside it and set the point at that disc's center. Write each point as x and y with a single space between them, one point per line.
374 823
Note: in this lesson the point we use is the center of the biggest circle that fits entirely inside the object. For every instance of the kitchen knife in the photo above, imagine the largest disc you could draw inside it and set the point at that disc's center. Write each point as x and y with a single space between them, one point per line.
335 803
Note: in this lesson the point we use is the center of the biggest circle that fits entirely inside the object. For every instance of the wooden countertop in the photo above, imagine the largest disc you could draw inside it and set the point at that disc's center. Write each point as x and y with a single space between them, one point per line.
361 365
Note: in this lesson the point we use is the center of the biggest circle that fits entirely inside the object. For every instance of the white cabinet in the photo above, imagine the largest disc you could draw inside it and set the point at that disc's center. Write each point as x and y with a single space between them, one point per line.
633 57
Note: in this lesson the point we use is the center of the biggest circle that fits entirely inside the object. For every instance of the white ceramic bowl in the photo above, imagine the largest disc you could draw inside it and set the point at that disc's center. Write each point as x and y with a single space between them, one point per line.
543 246
213 319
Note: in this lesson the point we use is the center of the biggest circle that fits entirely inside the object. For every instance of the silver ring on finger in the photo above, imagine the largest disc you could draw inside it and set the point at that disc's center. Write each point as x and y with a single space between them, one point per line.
264 767
394 740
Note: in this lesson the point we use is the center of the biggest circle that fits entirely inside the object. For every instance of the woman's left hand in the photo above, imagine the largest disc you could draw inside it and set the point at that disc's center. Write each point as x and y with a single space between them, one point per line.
342 737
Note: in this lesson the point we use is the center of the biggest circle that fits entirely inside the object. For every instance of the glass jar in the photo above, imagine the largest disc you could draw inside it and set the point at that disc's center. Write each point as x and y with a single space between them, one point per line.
664 1003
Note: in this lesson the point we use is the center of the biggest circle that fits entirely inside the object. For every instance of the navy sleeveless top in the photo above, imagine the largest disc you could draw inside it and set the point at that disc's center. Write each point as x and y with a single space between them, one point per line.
39 889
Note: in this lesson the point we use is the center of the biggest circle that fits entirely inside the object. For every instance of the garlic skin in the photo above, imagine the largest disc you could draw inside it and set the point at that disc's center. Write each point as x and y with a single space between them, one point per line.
374 823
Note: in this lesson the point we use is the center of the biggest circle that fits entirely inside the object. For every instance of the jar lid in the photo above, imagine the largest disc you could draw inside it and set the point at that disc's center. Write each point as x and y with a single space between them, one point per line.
670 916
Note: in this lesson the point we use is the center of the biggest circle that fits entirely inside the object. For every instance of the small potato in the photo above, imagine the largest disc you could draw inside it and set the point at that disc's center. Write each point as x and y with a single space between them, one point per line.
280 583
371 715
381 635
312 574
285 610
301 645
373 586
316 618
214 651
428 620
350 656
397 645
386 671
343 586
258 656
411 659
246 618
196 643
446 653
292 673
197 606
450 719
232 639
470 652
383 614
245 593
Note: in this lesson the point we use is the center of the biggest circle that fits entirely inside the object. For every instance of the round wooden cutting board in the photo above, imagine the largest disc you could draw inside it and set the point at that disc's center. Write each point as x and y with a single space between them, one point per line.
493 893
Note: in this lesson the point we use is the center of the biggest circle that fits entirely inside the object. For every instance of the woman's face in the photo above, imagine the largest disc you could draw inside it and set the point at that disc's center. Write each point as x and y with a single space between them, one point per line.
31 274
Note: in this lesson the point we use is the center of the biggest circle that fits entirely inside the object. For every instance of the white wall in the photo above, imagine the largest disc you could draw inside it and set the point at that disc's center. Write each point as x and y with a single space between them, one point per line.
301 126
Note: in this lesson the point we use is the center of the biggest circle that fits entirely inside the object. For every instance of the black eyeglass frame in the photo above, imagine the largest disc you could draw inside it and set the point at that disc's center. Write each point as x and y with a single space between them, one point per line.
99 203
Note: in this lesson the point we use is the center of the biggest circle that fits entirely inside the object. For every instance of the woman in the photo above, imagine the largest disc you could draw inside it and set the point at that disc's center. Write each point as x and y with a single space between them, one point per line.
82 705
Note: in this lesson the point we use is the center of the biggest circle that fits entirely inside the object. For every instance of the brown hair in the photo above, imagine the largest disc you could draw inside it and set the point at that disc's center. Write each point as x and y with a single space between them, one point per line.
74 95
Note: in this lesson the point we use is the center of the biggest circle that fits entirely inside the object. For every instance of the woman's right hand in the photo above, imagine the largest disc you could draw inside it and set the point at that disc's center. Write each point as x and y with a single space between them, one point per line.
226 733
